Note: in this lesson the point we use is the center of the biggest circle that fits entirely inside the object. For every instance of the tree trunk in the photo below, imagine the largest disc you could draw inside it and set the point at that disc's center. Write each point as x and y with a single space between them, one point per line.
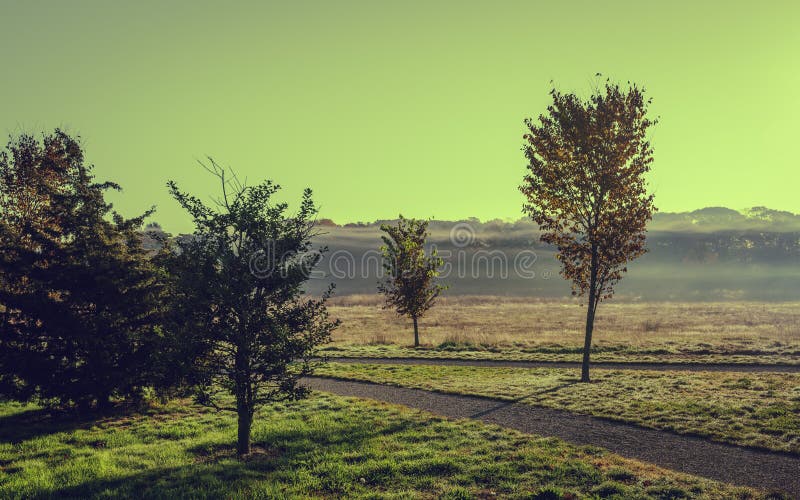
587 343
416 332
243 410
245 422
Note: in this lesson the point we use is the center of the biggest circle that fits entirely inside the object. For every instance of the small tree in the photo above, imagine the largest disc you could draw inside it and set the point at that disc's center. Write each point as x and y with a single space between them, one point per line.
239 283
80 301
586 188
410 285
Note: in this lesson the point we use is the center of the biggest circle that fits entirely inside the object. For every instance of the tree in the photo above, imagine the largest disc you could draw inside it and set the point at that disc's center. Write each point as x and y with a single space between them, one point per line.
80 301
249 325
586 188
410 285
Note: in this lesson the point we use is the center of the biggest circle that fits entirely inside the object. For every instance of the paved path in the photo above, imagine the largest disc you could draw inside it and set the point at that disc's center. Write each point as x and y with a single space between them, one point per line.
727 463
714 367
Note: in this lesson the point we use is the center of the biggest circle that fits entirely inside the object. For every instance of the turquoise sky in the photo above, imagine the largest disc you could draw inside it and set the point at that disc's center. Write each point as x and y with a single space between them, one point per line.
383 107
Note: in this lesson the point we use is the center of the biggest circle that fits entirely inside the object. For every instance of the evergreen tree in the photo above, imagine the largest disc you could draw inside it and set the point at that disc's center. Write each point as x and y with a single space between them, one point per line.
79 299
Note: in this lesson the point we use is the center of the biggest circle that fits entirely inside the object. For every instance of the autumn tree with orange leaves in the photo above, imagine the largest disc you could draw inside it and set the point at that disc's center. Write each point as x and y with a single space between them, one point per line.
586 188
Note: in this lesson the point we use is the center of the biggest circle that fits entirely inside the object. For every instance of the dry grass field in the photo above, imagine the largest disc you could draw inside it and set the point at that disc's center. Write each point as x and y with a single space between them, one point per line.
530 328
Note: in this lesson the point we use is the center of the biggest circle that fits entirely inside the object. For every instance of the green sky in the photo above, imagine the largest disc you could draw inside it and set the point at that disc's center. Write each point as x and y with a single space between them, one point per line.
417 107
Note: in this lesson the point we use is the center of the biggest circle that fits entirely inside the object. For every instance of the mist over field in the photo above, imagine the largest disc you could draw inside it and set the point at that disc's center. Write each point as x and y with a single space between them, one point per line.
710 254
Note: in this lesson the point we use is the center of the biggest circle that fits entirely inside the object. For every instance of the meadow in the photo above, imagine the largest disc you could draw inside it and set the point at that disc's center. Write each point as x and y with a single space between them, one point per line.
495 327
331 446
323 446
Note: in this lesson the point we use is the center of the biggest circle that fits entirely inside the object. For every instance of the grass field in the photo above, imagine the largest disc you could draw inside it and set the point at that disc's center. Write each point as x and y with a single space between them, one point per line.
324 446
330 446
752 409
548 330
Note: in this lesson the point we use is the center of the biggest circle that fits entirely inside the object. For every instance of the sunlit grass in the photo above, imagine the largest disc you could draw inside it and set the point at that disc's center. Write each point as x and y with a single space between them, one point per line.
492 327
323 447
752 409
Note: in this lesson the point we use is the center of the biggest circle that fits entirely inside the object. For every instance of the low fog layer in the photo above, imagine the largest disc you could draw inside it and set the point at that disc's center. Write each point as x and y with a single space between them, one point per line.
706 255
709 254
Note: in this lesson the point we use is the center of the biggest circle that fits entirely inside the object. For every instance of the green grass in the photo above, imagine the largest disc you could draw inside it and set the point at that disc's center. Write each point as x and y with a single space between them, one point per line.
325 446
551 353
751 409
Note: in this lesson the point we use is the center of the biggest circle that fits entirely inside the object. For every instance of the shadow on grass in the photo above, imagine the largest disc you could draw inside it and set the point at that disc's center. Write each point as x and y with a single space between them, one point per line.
510 402
30 424
39 422
190 481
281 461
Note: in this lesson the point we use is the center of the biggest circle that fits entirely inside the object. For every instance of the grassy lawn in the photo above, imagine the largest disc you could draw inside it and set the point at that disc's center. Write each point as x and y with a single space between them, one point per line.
625 354
751 409
324 446
491 327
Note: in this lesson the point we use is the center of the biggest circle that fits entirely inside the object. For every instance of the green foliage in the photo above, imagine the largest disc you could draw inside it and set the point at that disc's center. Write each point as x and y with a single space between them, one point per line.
324 446
239 306
80 302
410 285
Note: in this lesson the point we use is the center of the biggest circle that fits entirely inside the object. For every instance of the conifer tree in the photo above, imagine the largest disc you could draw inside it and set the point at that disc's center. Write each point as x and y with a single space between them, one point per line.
79 301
